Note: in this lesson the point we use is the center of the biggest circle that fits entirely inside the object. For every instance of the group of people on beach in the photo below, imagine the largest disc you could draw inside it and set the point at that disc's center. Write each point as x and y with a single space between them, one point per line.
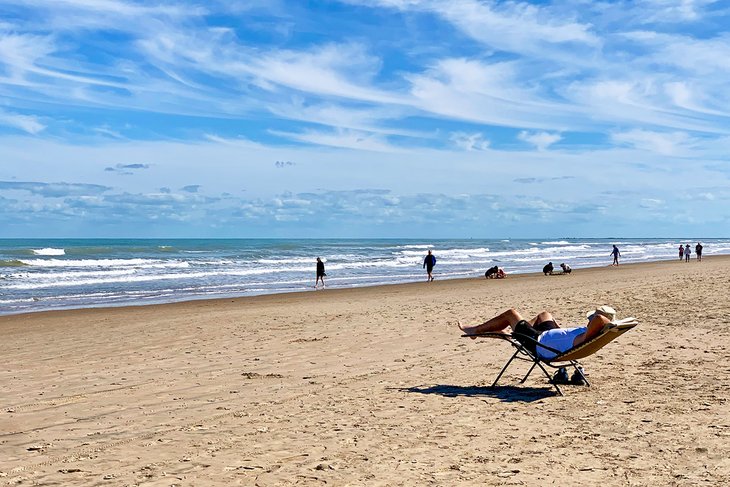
549 269
496 272
686 252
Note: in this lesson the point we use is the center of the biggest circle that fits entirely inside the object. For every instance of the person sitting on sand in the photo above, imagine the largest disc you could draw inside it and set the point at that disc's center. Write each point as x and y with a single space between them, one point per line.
548 269
544 329
566 268
495 273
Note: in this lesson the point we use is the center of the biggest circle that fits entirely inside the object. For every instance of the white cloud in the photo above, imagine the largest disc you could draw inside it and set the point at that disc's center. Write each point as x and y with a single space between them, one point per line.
20 52
541 140
464 89
668 144
26 123
674 11
470 142
699 56
512 26
342 138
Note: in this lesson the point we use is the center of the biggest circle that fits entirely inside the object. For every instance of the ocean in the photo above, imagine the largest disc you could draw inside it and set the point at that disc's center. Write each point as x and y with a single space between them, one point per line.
48 274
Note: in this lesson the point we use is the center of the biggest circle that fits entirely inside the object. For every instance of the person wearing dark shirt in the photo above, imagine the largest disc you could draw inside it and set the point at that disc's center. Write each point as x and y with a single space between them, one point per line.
320 273
698 251
428 264
616 254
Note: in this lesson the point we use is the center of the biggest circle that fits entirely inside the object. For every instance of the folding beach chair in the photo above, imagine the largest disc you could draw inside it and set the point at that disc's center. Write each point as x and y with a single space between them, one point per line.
562 359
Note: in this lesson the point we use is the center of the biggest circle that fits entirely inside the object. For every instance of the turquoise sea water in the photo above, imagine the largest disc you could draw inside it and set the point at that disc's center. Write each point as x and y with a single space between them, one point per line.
43 274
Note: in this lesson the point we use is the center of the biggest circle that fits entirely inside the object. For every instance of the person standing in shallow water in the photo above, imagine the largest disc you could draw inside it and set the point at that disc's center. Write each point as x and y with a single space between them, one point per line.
428 264
616 254
320 273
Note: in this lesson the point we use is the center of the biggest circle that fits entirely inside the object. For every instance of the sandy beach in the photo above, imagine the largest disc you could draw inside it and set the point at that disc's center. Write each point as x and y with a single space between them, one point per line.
372 386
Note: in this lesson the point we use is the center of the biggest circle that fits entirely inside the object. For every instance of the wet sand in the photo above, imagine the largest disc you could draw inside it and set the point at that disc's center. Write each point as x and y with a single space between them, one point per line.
372 386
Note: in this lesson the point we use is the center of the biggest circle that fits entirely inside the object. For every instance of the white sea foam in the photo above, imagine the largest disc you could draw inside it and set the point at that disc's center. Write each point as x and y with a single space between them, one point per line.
301 260
556 242
49 251
130 279
142 263
66 276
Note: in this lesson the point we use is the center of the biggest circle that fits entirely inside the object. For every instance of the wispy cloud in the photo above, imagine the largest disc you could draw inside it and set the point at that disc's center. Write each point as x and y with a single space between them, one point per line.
53 190
348 139
668 144
470 142
26 123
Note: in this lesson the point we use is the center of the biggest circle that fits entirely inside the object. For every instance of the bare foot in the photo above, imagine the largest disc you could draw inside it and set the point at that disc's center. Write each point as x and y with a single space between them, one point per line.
475 331
468 330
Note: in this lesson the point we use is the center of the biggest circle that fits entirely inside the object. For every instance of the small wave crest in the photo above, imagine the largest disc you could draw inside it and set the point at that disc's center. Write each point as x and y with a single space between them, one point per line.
107 263
49 251
12 263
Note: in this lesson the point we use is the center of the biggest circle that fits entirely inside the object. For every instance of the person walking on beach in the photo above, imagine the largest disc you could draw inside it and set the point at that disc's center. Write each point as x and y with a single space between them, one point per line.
428 264
687 253
681 252
698 251
616 254
320 273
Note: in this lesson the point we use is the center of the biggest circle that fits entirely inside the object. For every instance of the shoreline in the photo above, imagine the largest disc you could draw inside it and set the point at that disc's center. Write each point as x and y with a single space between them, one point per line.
330 290
372 385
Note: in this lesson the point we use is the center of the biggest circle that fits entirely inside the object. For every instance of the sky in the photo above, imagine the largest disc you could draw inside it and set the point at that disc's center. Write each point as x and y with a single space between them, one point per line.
354 118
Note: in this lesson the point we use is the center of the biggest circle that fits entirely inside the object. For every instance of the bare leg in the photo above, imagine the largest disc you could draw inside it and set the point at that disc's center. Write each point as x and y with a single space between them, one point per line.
502 323
543 316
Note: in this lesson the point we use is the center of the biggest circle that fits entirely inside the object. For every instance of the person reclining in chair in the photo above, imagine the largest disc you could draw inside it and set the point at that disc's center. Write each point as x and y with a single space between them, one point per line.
544 330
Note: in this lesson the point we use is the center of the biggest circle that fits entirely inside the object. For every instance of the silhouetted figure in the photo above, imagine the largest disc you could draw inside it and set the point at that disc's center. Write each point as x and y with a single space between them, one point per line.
320 273
616 254
428 264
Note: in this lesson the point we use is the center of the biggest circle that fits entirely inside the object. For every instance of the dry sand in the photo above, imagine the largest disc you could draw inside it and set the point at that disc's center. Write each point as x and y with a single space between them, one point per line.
372 387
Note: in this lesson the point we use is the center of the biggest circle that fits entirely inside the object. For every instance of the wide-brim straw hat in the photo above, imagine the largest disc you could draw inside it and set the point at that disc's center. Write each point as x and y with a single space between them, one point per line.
604 310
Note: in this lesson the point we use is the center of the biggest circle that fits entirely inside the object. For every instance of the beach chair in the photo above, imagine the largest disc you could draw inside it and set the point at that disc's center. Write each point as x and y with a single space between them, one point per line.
569 358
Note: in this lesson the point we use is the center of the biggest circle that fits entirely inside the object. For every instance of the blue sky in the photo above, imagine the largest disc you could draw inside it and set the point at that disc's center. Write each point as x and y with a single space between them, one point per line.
354 118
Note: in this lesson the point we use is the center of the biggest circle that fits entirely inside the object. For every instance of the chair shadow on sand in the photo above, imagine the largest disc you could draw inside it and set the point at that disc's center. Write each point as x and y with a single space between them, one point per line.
503 393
